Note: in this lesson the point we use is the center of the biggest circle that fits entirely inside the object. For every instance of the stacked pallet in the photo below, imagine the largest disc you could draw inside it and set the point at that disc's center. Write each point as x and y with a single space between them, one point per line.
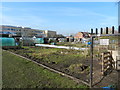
107 62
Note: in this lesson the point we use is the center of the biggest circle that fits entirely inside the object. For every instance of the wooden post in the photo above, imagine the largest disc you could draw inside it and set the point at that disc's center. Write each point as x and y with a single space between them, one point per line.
91 31
112 29
96 31
101 31
118 80
119 29
106 30
103 63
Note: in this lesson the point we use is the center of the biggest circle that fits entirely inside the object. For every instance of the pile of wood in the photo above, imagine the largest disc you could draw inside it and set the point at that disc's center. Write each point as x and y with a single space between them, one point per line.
107 63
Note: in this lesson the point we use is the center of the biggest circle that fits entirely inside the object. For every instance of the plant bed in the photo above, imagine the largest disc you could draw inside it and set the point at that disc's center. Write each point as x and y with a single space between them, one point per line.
71 62
59 59
20 73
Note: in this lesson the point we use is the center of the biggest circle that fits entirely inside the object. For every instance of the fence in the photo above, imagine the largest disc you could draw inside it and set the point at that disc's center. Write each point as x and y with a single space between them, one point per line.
104 52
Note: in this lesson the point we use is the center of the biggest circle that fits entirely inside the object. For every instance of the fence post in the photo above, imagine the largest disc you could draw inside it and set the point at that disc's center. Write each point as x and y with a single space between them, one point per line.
96 31
91 31
101 31
91 62
102 64
112 29
119 29
106 30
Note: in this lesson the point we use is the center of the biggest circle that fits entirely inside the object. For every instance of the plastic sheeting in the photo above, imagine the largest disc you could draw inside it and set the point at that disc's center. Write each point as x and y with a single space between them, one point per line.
32 41
39 40
64 47
7 41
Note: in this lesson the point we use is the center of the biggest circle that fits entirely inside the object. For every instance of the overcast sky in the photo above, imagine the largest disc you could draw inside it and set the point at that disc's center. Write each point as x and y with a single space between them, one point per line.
64 17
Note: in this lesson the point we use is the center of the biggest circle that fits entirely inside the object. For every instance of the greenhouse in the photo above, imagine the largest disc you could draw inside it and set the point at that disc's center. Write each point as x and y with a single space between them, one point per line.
32 41
7 41
39 40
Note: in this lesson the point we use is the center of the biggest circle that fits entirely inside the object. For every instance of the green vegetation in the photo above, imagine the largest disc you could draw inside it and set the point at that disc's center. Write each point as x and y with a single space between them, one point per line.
59 59
50 55
20 73
71 44
78 68
110 37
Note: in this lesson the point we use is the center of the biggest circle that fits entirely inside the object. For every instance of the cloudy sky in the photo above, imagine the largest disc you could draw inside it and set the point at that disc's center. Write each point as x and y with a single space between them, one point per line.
64 17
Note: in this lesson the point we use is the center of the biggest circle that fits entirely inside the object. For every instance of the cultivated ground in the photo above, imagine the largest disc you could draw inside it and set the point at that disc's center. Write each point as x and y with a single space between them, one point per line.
71 44
20 73
72 62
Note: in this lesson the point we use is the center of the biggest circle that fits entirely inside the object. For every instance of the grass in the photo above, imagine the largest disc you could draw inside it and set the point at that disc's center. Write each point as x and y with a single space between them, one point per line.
79 45
59 59
53 54
20 73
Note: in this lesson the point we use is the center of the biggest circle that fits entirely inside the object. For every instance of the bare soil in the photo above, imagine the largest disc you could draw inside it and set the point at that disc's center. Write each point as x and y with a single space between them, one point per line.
72 63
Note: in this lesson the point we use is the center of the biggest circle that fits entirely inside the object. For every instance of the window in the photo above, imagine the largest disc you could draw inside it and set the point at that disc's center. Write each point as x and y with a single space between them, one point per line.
6 32
5 28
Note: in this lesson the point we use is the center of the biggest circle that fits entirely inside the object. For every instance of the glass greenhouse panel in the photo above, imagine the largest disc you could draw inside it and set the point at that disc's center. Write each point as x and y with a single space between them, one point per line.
39 40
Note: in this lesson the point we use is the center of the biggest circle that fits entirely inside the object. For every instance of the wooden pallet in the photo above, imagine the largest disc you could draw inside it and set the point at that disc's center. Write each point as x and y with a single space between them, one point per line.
107 62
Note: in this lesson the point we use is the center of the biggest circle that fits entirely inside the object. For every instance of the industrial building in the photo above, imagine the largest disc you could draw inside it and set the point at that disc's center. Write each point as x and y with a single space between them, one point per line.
16 31
50 34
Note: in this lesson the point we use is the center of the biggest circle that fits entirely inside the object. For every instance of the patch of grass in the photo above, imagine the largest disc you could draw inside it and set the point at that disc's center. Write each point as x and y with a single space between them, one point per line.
59 59
52 54
20 73
79 68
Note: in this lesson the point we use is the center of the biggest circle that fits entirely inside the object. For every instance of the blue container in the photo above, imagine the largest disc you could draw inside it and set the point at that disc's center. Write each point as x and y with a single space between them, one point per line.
108 88
89 43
